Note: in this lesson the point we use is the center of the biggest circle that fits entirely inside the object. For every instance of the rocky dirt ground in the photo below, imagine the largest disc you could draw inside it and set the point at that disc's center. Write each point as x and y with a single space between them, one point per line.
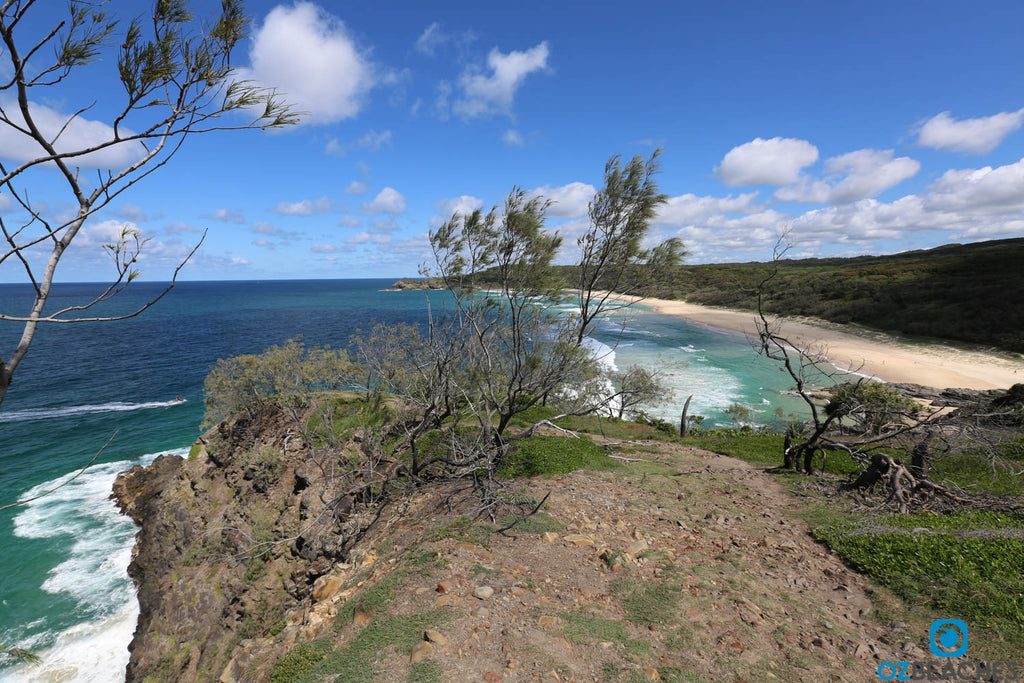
687 566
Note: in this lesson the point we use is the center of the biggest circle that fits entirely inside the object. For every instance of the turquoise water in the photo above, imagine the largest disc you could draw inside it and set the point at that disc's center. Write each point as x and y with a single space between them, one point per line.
63 588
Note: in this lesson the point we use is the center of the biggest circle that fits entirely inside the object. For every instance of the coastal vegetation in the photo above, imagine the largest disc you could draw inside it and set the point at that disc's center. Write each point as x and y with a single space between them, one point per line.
957 292
178 81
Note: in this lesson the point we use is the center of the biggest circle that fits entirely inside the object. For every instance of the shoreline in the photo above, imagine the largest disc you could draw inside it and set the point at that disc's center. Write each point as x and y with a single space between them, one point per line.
876 355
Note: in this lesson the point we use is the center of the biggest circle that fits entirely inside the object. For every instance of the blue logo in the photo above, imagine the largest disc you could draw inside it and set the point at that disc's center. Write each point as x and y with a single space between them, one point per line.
948 637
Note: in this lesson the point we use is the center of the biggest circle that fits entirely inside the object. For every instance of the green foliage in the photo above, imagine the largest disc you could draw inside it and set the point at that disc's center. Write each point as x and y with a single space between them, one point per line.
871 405
427 671
976 579
738 413
537 523
255 569
300 660
553 455
284 375
193 452
17 654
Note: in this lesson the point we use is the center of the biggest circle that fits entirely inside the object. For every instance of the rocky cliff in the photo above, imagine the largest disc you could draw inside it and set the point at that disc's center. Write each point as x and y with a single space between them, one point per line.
233 549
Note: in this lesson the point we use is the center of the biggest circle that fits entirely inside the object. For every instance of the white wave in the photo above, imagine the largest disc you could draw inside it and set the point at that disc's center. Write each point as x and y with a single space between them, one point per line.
117 407
93 652
603 353
94 573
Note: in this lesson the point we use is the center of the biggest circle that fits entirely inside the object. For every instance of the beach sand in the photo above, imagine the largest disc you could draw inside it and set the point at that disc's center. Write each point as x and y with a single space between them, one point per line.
873 354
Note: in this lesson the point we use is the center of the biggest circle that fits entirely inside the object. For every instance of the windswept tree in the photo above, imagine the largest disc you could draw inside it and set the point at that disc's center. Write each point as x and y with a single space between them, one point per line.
177 80
612 258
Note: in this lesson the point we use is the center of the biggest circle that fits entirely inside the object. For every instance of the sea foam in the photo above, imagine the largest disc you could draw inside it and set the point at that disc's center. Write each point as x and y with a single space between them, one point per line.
94 574
117 407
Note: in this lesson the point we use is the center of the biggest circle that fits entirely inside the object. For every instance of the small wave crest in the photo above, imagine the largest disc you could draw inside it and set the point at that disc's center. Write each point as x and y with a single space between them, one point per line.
116 407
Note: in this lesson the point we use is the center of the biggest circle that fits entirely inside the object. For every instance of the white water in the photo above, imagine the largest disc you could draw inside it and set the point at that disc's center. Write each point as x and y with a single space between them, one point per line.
43 413
81 518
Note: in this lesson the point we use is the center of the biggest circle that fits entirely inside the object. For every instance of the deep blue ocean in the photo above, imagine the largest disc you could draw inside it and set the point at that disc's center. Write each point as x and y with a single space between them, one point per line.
64 592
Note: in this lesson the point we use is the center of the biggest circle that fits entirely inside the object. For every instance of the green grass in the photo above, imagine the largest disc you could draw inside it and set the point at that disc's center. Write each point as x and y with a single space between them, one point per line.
648 601
554 455
427 671
353 662
537 523
299 660
763 448
975 579
372 599
582 628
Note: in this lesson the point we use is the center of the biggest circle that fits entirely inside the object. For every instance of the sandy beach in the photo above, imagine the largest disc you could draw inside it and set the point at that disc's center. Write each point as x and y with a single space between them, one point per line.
869 353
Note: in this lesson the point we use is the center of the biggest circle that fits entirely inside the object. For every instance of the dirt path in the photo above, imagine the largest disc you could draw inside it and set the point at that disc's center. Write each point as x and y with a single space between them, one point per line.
687 569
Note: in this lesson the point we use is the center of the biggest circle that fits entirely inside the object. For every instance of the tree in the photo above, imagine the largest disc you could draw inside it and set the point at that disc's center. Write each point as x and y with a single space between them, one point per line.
639 386
178 81
611 258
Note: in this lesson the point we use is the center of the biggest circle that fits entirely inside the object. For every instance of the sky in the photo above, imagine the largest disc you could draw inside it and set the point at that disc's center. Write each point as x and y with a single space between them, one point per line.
857 128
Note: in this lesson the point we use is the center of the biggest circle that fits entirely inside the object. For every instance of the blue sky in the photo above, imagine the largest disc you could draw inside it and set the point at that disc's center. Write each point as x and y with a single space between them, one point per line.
869 127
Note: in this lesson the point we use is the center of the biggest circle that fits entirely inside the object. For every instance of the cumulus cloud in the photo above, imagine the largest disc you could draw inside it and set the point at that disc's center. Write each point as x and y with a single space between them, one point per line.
320 248
987 190
852 176
691 209
308 55
355 187
462 205
487 94
179 227
568 201
777 161
78 133
306 207
389 200
512 138
973 136
348 222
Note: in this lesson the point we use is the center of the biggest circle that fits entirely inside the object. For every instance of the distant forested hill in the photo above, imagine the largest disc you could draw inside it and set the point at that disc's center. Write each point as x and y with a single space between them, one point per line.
961 292
964 292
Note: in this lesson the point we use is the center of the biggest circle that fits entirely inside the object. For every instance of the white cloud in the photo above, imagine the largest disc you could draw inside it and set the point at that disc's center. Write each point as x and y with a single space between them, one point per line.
569 201
348 222
372 141
307 207
227 216
974 136
80 133
308 55
986 190
355 187
6 203
431 38
358 238
493 93
462 205
766 162
512 138
264 243
320 248
388 200
852 176
689 209
239 261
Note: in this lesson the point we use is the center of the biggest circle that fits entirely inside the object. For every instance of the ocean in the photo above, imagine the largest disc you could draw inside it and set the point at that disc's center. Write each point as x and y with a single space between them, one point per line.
64 591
